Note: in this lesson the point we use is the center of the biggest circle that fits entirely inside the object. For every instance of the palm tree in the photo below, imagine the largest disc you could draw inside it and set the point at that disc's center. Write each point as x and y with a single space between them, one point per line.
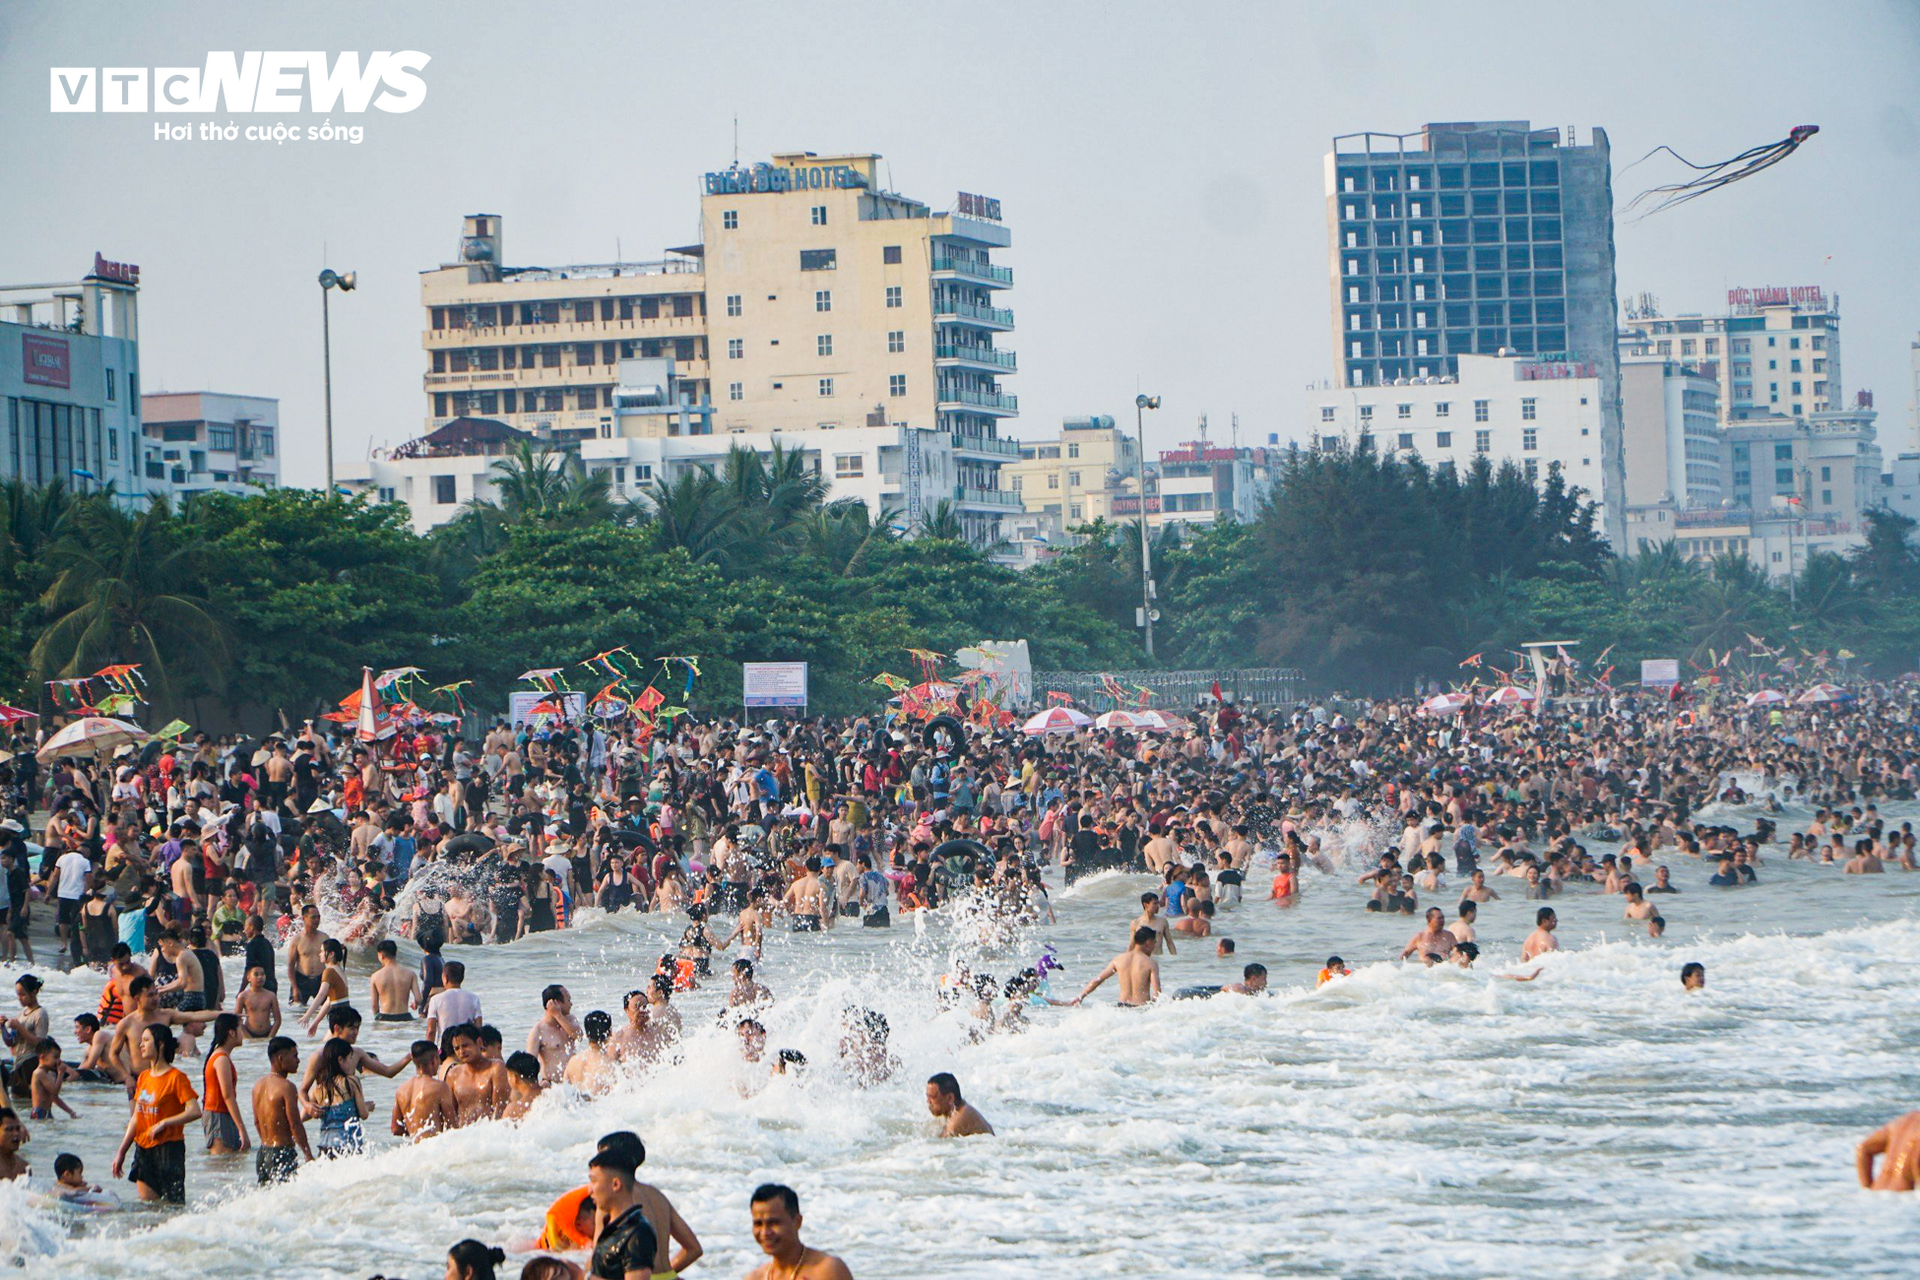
126 588
942 520
529 482
696 513
843 533
1827 593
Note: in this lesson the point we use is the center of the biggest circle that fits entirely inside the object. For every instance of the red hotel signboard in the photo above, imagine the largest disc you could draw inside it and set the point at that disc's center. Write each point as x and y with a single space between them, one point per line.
43 361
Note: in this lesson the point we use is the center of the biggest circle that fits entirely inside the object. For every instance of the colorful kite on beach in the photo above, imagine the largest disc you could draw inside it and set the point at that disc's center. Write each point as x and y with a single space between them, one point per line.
1712 177
547 678
71 694
124 677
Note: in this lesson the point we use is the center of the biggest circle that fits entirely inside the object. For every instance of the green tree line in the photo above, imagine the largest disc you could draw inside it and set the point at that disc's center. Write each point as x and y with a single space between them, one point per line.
1367 571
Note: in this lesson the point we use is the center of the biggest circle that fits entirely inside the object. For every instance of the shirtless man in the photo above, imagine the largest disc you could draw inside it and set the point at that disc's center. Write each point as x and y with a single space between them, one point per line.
479 1084
1237 849
750 926
423 1105
127 1051
1541 940
776 1229
189 985
394 992
1139 973
1434 940
306 958
1638 908
276 1114
962 1119
633 1041
552 1038
806 900
592 1069
1477 891
747 990
1864 862
1899 1142
1153 922
1462 927
257 1007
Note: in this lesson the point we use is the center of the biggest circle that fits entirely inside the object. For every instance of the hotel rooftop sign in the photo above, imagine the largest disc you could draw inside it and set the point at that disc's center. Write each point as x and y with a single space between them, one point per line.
767 177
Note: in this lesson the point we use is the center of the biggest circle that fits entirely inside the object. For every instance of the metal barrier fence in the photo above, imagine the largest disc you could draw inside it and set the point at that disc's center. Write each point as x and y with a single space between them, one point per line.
1171 690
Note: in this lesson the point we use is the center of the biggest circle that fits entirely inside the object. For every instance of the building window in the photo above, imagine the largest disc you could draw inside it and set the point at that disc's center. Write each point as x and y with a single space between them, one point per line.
730 219
819 215
111 389
893 296
1053 480
849 466
1444 440
890 255
1073 479
1479 410
896 341
1530 439
733 304
823 344
736 348
818 259
1782 452
1073 450
1441 409
1366 413
1533 468
896 384
1404 411
736 391
443 494
1329 442
826 386
1826 497
1783 477
823 299
1527 410
1326 413
1406 439
1482 441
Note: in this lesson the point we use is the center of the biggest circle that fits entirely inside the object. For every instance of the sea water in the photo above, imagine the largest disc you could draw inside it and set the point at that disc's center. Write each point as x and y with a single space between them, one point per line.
1595 1122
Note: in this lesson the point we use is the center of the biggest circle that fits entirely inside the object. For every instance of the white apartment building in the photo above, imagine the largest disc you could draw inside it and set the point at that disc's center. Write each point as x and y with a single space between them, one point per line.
1507 408
205 441
1670 418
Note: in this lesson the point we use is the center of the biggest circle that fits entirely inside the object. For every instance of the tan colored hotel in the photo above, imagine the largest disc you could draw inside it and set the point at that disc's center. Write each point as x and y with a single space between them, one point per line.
857 324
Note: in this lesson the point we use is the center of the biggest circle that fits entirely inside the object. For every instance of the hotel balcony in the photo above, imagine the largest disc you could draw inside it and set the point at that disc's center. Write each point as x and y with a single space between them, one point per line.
986 446
1000 499
976 272
963 356
968 313
989 402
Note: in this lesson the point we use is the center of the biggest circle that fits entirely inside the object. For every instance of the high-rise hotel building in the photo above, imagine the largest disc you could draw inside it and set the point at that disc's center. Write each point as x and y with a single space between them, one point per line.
855 323
1484 238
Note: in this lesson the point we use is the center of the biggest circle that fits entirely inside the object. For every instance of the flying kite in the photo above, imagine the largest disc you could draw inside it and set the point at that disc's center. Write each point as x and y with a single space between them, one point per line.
1714 176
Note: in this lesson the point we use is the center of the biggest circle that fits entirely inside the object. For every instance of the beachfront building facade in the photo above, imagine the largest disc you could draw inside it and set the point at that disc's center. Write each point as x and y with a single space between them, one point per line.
1774 352
1483 238
1670 424
1537 414
815 302
70 382
1076 478
210 441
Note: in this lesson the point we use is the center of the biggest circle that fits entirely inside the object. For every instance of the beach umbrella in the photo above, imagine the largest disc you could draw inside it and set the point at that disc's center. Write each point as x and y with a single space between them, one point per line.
1766 698
1509 695
1445 704
1823 693
95 736
1153 721
12 715
1125 720
1056 720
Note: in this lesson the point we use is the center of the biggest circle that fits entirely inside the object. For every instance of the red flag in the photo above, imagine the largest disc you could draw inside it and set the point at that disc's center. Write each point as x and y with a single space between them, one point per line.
1217 695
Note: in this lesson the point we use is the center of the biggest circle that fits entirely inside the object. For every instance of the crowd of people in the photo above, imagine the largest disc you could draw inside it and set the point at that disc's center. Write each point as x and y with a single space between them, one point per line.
306 856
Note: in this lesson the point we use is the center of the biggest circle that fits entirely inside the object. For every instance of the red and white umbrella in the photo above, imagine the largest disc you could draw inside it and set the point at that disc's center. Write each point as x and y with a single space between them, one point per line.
1445 704
1823 693
13 715
1152 721
1766 698
1129 721
91 736
1057 720
1509 695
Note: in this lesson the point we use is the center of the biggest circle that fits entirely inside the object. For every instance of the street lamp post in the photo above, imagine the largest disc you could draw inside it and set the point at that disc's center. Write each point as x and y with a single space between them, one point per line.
1141 403
329 281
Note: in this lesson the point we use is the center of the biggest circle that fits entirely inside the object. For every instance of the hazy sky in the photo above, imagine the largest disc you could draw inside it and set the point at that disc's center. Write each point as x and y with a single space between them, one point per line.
1159 165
